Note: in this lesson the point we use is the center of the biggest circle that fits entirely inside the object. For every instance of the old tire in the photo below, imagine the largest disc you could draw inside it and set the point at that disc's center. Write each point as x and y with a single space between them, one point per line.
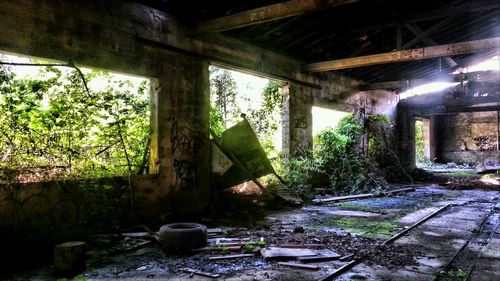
183 237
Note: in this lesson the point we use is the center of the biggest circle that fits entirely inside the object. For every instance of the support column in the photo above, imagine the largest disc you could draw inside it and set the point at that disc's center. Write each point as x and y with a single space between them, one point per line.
297 120
183 130
405 129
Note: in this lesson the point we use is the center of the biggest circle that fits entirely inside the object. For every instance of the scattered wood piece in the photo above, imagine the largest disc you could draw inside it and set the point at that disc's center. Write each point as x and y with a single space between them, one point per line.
361 196
135 234
319 258
298 265
240 244
207 249
271 253
228 257
346 257
303 246
341 270
137 246
201 273
214 230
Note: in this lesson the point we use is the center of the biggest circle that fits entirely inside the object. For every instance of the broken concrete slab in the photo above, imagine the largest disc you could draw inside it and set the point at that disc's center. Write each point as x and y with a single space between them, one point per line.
492 249
453 223
417 215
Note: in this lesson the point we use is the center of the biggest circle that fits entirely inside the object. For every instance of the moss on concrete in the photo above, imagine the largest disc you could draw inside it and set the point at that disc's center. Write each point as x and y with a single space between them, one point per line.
365 227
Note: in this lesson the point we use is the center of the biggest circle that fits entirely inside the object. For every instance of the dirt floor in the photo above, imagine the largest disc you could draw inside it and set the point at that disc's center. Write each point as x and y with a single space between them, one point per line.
462 239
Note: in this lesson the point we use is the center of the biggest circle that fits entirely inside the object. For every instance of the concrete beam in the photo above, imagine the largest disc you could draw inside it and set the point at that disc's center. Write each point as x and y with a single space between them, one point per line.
264 14
479 76
458 109
406 55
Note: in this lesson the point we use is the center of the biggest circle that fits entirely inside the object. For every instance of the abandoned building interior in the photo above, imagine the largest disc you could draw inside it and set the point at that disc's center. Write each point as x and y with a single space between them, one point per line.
129 151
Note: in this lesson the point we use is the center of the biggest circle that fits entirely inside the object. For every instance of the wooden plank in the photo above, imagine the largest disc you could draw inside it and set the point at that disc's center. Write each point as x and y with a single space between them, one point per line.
272 253
407 55
302 246
319 258
298 265
229 257
264 14
361 196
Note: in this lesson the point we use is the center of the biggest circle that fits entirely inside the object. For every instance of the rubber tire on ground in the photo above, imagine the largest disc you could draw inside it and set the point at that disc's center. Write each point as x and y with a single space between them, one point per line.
183 237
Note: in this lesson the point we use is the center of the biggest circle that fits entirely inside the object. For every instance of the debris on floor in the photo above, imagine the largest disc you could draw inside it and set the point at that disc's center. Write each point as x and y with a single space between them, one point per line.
336 240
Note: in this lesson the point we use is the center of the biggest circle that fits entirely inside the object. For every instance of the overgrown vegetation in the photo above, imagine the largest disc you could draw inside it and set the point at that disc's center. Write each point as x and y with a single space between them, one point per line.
50 128
419 143
339 164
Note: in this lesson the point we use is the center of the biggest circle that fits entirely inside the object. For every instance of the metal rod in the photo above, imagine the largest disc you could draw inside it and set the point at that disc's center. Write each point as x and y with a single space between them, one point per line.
395 237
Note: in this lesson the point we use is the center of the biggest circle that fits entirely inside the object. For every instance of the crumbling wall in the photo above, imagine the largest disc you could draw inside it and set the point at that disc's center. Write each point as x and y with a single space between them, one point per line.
469 137
41 212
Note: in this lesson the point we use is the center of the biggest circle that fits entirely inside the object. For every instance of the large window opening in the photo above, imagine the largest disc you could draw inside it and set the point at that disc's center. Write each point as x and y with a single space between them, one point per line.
324 118
51 127
233 93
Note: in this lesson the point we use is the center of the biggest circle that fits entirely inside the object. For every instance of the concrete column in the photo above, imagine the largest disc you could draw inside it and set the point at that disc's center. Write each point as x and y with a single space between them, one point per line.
433 139
182 124
405 132
297 120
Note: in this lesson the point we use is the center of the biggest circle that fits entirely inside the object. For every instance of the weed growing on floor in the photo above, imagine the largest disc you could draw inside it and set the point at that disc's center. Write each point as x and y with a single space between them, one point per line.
364 227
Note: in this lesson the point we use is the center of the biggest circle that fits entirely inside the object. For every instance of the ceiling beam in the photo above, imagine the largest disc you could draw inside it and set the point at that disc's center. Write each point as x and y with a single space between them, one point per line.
407 55
264 14
479 76
428 41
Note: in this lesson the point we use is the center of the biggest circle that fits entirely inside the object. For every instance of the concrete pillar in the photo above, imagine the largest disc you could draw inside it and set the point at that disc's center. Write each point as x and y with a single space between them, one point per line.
405 132
433 139
182 133
297 120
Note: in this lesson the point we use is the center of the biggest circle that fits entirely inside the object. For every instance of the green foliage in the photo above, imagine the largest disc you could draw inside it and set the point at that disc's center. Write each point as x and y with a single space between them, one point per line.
266 119
419 142
222 98
225 109
458 274
50 128
360 226
336 164
349 127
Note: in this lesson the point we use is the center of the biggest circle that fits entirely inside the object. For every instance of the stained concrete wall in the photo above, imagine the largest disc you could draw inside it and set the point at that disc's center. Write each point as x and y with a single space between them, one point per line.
466 137
127 37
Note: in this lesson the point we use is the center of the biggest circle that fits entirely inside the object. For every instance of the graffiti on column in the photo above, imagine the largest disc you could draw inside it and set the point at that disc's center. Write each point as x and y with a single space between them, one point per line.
300 123
185 174
181 139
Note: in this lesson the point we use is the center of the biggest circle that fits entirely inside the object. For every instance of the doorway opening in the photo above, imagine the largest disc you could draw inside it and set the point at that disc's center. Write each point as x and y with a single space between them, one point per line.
422 141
